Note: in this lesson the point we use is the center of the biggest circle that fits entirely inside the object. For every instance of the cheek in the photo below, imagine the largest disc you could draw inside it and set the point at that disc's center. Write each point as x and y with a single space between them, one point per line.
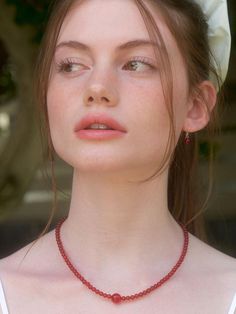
61 98
59 114
150 119
152 108
146 99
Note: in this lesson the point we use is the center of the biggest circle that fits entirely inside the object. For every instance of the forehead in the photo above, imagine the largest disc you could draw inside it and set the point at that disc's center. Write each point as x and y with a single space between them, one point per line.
107 22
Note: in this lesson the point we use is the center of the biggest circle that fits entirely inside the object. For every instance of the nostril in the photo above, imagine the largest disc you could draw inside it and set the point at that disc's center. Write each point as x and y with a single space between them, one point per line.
104 98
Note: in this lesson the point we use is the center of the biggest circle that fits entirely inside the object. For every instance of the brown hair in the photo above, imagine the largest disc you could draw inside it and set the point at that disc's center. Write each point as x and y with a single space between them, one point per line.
189 27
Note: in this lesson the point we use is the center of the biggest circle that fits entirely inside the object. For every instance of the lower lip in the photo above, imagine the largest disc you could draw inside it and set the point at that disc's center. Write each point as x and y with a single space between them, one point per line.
99 134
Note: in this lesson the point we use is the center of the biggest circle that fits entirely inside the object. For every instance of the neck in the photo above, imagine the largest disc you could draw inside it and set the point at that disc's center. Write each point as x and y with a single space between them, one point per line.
115 226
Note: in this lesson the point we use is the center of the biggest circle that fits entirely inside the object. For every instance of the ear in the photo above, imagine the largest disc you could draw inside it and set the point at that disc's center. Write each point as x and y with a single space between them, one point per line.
200 105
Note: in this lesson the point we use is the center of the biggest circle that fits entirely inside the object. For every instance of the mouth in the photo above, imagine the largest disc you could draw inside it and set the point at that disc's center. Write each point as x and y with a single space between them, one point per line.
99 122
99 127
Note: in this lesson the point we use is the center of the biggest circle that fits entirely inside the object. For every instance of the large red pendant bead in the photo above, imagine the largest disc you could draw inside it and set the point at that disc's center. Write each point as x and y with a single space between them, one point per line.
116 298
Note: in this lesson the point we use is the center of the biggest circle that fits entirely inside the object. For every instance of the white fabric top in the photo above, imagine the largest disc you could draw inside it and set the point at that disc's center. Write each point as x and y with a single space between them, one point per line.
232 309
3 302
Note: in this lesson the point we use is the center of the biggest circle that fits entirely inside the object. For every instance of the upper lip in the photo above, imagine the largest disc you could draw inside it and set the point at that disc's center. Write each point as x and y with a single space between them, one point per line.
102 118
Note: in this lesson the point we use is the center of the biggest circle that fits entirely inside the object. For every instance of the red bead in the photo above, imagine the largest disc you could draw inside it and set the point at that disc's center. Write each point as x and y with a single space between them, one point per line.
187 139
116 298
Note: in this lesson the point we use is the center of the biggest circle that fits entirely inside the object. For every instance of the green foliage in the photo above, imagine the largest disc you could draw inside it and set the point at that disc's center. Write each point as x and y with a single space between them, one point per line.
28 12
207 149
32 12
7 84
35 13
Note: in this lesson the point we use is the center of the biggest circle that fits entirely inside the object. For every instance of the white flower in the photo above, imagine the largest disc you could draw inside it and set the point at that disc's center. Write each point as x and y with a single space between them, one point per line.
216 12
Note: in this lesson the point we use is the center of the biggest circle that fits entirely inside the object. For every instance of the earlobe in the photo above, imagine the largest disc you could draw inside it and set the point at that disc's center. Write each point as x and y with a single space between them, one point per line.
201 103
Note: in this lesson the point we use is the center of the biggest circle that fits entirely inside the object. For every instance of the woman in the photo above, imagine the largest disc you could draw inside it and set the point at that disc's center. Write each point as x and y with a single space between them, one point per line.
123 100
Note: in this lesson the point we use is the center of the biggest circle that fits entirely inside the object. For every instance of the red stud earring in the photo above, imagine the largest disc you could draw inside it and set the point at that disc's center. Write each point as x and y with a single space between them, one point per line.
187 138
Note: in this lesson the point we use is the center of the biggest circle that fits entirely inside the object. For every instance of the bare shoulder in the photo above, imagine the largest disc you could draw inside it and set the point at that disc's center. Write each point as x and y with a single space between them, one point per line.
34 273
213 266
30 259
207 253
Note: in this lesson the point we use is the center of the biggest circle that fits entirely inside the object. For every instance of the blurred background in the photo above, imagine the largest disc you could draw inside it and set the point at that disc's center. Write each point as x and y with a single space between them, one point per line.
25 191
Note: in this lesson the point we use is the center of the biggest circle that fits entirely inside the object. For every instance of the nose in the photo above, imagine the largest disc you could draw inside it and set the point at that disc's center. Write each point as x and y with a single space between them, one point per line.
100 93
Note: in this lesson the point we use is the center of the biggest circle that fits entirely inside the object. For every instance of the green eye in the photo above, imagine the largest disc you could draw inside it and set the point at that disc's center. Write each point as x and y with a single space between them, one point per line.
139 65
69 67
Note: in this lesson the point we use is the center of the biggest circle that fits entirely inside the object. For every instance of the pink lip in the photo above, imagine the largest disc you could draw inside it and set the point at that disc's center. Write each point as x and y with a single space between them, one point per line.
89 119
99 134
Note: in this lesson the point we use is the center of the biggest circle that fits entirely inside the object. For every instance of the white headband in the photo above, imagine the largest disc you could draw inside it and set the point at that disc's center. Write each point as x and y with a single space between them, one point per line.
216 13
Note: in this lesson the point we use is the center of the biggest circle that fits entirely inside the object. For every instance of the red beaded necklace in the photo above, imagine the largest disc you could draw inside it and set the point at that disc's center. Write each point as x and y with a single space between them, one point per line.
116 297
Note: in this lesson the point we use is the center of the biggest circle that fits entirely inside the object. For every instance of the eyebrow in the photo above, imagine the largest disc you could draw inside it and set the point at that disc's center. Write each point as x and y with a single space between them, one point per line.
128 45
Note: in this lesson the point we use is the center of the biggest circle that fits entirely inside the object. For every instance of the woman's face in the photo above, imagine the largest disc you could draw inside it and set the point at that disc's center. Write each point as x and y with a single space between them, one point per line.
123 83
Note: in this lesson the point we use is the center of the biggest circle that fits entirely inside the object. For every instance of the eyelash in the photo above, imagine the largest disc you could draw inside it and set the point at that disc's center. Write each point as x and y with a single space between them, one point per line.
61 66
142 60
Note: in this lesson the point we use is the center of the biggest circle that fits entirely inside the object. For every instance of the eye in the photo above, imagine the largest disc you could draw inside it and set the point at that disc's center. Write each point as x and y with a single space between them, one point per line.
69 66
139 64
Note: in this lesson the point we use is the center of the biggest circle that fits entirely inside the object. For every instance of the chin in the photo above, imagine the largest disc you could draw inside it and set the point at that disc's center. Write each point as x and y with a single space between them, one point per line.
93 163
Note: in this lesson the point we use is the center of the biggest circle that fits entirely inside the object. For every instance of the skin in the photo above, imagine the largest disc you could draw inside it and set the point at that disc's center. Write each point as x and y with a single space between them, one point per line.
118 233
